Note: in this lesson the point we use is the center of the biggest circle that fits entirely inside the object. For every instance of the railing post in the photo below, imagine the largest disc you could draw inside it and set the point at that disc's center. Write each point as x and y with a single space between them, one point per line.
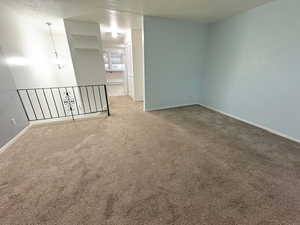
106 98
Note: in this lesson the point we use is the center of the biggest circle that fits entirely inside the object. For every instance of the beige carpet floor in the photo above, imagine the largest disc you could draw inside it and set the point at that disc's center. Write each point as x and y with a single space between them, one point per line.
183 166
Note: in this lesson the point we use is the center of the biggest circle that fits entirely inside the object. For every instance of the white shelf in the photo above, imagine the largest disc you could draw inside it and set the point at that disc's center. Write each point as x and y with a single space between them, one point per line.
87 48
85 42
115 82
85 36
114 71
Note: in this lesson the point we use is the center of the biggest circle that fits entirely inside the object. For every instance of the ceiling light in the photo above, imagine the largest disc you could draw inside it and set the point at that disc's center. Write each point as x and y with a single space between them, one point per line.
114 34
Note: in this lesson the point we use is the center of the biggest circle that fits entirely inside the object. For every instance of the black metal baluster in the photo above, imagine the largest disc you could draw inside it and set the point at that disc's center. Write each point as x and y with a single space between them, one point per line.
47 103
94 98
99 90
31 104
82 102
88 97
37 97
54 103
62 102
23 105
107 105
66 101
75 100
69 102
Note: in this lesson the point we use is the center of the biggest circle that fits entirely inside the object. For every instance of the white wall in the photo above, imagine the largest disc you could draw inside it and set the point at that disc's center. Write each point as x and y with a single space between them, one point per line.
86 50
26 38
138 63
85 45
129 67
29 39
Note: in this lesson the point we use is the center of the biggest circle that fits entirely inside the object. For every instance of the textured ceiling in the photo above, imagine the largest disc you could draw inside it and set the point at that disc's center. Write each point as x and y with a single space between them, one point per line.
202 11
109 18
126 14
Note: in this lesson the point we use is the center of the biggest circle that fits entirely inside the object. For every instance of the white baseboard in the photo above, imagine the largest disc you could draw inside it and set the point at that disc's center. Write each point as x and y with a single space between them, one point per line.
170 107
252 123
14 139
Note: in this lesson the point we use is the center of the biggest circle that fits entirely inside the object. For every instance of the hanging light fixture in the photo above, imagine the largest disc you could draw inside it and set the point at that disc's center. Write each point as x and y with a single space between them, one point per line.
57 60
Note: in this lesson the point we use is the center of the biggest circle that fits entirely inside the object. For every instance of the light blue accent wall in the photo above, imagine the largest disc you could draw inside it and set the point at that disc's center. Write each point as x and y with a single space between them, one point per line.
253 67
174 62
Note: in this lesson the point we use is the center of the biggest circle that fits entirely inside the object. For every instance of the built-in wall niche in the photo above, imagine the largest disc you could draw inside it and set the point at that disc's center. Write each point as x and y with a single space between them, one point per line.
114 60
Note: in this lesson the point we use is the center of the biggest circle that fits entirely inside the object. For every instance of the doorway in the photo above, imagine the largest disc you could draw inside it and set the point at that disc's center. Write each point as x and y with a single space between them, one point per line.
116 71
123 56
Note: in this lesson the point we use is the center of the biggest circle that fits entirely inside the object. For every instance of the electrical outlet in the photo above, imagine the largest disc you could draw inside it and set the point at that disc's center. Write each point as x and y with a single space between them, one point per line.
13 121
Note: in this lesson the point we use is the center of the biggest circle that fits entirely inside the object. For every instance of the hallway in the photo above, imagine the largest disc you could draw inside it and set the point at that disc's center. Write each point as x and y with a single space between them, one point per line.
187 166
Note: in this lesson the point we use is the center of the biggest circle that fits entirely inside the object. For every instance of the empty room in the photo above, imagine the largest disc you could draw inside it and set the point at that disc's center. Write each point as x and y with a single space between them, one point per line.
158 112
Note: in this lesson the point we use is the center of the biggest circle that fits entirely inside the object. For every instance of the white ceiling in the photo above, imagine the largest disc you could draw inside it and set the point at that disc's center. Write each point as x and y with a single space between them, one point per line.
108 18
109 42
126 11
